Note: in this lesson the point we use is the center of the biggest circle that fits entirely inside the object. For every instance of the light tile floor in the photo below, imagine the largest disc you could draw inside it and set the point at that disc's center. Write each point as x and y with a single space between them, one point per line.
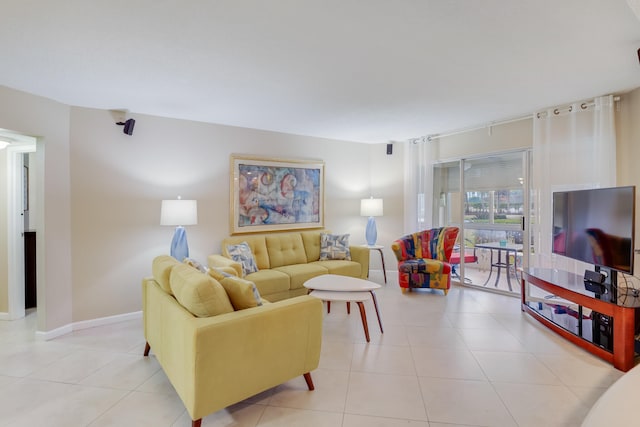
471 358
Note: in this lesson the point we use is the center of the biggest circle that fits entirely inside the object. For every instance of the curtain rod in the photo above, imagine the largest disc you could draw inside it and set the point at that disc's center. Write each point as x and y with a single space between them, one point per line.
470 129
429 138
569 107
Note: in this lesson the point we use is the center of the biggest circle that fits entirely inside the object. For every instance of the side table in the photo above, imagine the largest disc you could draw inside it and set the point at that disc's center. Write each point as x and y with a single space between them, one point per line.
379 249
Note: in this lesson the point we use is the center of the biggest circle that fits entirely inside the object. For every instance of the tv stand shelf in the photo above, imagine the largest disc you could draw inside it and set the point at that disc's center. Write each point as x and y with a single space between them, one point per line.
570 288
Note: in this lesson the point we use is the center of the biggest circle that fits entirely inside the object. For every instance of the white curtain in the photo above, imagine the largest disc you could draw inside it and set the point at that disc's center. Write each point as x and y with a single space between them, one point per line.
418 185
574 147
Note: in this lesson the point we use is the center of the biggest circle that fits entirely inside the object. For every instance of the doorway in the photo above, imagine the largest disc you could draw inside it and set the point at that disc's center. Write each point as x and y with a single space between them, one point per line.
486 198
20 173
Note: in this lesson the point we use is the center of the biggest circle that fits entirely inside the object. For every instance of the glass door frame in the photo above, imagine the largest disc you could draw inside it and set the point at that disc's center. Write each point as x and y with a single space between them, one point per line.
526 214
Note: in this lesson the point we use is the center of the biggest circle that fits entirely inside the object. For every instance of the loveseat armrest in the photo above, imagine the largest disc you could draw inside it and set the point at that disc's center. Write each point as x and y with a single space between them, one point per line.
360 254
237 355
224 263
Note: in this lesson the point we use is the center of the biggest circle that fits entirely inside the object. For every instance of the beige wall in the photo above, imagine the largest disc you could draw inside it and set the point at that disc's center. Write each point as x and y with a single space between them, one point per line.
101 192
4 271
507 137
118 181
49 120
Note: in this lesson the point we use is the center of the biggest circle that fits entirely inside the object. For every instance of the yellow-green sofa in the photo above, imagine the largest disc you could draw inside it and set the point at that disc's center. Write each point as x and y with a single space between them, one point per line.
287 260
213 362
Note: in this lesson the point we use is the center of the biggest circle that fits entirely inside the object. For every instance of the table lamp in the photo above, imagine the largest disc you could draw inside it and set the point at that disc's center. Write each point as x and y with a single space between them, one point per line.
179 213
371 207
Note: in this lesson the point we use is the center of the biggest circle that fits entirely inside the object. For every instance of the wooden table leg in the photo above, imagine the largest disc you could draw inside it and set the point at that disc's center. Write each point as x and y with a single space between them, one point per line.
375 304
363 316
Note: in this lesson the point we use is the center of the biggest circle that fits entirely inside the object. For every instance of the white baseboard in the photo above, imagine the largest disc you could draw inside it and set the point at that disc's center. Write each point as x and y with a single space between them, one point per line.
85 324
4 316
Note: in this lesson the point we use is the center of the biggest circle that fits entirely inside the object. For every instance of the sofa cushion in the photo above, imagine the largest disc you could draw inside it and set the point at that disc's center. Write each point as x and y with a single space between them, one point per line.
311 240
285 249
300 273
334 246
242 293
242 253
342 267
161 270
199 293
270 281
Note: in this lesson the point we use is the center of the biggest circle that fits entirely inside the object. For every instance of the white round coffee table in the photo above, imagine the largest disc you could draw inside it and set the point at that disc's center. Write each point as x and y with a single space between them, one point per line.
334 287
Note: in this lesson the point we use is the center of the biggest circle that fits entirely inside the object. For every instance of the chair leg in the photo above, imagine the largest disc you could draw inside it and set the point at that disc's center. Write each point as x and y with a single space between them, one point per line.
446 291
147 347
196 423
307 378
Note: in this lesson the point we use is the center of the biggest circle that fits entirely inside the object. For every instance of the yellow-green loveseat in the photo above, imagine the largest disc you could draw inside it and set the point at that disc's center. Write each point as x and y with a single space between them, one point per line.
287 260
213 362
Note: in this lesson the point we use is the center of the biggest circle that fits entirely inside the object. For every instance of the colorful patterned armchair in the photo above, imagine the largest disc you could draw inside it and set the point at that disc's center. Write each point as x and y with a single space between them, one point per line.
423 258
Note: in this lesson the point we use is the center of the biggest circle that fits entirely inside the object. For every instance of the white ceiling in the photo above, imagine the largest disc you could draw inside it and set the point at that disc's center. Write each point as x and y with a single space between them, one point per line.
360 70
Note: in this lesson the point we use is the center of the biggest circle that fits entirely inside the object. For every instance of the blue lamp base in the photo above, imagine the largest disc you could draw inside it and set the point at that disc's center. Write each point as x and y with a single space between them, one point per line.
370 232
179 246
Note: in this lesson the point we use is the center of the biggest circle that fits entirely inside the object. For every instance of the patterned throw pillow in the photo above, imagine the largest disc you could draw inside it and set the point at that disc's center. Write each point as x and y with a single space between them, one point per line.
334 246
195 264
219 273
242 253
242 293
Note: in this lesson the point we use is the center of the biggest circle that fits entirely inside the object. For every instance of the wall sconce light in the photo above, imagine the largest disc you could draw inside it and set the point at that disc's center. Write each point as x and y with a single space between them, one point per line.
179 213
371 207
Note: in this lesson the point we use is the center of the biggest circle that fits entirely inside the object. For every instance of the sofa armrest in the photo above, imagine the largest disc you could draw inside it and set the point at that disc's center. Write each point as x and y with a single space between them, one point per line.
224 263
240 354
218 361
397 246
360 254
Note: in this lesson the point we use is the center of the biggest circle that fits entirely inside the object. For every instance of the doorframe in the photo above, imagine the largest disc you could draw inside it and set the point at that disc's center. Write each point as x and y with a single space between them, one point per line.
15 225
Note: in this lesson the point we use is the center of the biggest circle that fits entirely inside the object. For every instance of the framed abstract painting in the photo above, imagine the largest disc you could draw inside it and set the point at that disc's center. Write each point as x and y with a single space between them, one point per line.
275 194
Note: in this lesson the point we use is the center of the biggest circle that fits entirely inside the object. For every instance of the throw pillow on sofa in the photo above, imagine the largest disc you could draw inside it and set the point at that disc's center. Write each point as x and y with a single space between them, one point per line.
242 293
334 246
195 264
220 273
242 253
199 293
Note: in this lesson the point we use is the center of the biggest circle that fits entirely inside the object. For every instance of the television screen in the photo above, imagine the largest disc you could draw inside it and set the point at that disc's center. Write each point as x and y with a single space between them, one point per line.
596 226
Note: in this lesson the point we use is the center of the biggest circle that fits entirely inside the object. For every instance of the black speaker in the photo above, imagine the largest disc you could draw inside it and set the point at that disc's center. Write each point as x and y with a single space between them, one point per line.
128 126
389 148
602 330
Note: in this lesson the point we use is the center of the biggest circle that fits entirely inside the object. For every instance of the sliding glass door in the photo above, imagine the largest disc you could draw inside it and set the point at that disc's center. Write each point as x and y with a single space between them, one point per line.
487 198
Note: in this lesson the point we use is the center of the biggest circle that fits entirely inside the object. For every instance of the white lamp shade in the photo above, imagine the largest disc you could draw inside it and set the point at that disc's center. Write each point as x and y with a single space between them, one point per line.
371 207
179 212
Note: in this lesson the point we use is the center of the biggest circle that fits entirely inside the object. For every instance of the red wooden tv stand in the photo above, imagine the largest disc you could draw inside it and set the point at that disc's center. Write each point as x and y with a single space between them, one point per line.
570 288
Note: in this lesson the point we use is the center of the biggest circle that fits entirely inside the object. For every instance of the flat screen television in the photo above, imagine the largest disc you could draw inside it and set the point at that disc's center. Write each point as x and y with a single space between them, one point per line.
596 226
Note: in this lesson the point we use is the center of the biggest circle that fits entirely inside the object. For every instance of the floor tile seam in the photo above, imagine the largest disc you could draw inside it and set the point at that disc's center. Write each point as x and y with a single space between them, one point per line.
555 375
80 379
390 418
106 410
566 383
264 407
504 404
475 357
558 386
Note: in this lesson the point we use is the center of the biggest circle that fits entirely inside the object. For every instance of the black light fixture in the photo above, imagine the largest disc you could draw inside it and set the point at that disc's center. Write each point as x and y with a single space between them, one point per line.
128 126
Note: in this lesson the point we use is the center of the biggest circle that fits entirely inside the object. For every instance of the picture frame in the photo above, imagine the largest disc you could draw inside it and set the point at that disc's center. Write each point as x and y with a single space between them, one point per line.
272 194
